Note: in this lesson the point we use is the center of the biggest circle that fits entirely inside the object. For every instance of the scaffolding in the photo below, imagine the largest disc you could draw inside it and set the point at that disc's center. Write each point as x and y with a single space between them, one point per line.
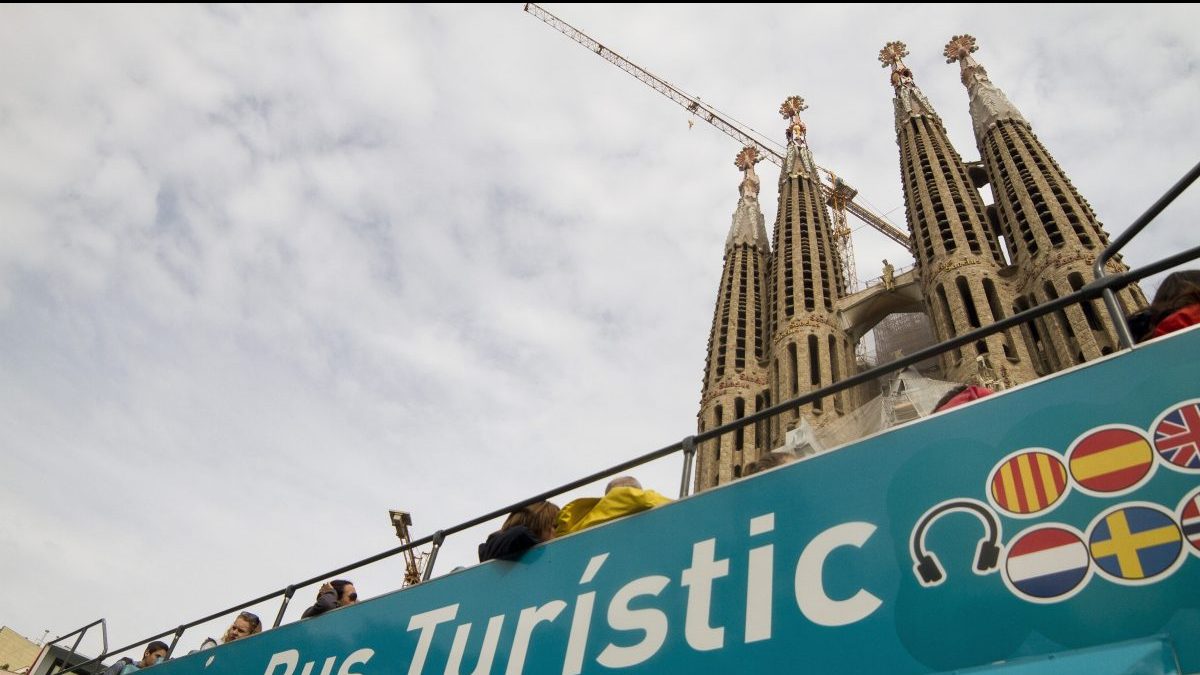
899 335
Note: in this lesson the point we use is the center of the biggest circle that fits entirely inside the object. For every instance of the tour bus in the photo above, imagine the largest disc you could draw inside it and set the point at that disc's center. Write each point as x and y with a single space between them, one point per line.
1053 527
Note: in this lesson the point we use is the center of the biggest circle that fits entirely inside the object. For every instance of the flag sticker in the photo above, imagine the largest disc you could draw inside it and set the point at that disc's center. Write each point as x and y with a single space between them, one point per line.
1189 519
1047 563
1111 460
1136 543
1177 437
1028 482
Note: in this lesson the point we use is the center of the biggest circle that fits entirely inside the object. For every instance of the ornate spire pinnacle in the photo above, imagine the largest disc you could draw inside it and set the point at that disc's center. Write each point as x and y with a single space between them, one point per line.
790 110
745 160
960 48
893 54
909 101
989 105
749 226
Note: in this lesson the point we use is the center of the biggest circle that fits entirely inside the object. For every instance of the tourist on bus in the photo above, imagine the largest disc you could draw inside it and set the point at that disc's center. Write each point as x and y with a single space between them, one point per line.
963 393
244 625
623 496
331 595
1176 305
522 530
156 652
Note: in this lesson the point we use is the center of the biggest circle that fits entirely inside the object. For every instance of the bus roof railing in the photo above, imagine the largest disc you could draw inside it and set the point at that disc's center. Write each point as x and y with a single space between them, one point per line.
1102 286
1110 299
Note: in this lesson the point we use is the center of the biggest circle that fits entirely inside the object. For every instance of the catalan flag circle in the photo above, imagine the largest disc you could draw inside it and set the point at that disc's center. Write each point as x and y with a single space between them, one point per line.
1136 543
1028 482
1189 519
1047 563
1177 437
1110 460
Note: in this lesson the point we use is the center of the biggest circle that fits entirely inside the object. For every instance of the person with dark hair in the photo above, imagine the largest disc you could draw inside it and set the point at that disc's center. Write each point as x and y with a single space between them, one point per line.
963 393
156 653
521 531
331 595
1176 306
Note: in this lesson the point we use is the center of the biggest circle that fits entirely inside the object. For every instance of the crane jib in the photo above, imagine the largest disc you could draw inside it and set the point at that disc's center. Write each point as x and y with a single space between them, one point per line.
729 126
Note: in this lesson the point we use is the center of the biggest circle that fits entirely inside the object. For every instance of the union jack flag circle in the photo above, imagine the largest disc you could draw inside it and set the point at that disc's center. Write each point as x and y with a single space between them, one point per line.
1177 437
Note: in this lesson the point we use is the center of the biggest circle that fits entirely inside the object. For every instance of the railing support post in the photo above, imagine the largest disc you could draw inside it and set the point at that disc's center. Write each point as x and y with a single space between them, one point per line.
1110 298
1118 319
438 538
287 597
175 641
689 452
76 646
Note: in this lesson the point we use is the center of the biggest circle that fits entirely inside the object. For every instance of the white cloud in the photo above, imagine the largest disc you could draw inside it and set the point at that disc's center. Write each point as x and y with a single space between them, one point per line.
266 272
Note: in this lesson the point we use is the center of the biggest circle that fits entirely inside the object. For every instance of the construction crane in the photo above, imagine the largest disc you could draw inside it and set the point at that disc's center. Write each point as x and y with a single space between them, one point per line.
414 563
839 198
838 193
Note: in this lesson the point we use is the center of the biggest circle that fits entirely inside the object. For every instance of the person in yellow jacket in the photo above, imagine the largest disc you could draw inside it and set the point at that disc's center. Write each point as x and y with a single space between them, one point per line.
622 497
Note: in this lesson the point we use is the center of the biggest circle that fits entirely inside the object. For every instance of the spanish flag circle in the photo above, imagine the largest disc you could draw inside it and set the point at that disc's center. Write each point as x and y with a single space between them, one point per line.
1028 482
1111 459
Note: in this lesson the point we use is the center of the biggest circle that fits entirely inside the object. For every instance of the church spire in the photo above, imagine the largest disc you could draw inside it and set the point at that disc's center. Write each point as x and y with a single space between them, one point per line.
735 378
989 105
799 160
957 254
749 226
1051 230
809 348
910 100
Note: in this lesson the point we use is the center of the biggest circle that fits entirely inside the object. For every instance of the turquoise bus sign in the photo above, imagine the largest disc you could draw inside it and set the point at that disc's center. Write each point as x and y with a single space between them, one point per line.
1055 518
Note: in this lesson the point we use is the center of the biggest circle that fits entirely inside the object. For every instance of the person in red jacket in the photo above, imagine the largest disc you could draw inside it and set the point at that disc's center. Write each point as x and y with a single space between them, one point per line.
1176 305
963 393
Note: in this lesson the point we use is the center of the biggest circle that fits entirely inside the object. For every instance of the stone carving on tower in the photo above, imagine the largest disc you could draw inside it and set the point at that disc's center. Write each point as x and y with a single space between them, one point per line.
964 280
1052 234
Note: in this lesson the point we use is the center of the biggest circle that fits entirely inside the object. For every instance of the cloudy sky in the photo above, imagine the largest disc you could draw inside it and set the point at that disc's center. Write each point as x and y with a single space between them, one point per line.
267 272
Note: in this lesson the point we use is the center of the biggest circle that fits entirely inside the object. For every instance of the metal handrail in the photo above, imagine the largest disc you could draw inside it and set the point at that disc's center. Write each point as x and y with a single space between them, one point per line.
81 631
1110 299
84 629
1102 286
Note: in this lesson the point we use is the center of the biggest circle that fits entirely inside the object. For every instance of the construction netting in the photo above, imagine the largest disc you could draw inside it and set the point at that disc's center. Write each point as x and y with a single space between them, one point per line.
906 396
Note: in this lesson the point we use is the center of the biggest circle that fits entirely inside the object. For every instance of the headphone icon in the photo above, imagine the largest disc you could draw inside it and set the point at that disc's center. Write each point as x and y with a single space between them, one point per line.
925 564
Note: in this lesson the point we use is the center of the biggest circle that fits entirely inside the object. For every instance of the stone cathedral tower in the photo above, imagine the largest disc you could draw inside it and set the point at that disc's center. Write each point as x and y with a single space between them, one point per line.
785 324
735 376
775 327
964 280
1051 231
809 348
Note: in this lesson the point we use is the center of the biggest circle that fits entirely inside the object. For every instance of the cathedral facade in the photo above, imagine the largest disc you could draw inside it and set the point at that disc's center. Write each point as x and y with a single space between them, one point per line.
785 323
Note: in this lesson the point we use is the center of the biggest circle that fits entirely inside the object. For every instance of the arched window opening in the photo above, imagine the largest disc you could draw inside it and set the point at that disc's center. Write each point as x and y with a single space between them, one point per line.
814 368
739 411
968 300
993 300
